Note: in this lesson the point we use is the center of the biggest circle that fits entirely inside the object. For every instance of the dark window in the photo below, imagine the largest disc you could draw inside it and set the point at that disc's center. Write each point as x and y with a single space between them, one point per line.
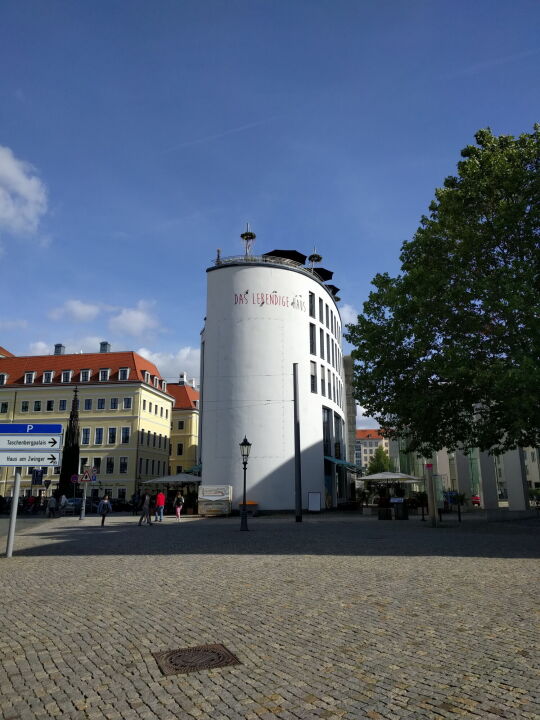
3 408
61 405
180 424
321 343
98 438
313 371
114 403
180 449
321 313
111 438
37 405
109 467
123 464
312 304
125 435
24 406
101 404
312 342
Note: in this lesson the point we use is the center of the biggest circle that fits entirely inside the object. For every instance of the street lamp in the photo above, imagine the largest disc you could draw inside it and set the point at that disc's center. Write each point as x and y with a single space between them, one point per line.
245 447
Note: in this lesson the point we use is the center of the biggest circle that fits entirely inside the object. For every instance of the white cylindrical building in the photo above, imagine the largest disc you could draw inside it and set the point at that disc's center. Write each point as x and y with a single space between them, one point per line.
265 313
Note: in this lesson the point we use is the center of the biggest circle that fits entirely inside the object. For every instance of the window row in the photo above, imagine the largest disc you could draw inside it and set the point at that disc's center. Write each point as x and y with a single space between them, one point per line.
329 350
330 385
88 403
326 316
153 439
49 405
106 464
125 433
157 409
150 466
84 376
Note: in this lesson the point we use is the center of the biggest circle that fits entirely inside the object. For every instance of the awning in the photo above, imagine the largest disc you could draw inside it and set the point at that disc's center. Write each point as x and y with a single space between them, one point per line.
348 465
178 479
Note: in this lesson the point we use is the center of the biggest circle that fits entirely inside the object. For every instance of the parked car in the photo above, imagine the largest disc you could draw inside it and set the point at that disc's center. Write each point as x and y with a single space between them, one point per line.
475 499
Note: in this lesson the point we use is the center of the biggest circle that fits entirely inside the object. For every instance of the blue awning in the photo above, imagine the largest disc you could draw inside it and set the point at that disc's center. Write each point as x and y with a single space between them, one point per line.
348 465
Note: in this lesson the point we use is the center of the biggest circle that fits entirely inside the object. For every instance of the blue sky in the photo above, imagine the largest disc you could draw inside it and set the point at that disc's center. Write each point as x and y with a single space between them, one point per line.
137 137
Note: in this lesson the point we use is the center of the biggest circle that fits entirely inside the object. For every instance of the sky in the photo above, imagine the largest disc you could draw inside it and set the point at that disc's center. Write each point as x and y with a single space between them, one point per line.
138 137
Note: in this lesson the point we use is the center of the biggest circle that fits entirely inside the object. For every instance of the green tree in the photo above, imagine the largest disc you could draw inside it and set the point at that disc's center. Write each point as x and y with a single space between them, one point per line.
378 462
447 353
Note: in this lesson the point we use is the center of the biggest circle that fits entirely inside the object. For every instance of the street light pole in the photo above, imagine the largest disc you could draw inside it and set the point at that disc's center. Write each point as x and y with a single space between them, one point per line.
245 447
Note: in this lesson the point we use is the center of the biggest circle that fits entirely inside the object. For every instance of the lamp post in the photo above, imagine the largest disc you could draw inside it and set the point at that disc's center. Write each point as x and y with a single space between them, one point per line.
245 447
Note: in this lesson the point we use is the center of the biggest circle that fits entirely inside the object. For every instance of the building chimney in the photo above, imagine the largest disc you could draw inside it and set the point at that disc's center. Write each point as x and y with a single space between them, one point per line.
193 383
59 349
104 347
182 380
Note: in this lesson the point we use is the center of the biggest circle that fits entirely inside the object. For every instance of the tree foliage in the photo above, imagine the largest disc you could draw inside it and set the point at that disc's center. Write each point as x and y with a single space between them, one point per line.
447 353
378 462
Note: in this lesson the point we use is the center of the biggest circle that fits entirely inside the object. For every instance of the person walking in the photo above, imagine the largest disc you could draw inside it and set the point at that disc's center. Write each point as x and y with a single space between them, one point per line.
63 505
145 510
135 503
160 506
51 507
104 508
178 504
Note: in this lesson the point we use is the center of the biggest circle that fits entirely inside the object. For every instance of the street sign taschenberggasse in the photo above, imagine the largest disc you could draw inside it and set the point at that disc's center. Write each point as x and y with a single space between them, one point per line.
30 444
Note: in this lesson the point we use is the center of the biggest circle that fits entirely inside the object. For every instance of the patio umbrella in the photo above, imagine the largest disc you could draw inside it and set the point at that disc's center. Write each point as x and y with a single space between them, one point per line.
395 476
178 479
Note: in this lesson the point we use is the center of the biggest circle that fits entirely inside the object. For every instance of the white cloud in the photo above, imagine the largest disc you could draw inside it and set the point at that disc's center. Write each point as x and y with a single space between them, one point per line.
23 196
170 365
134 321
363 421
349 314
88 344
40 348
77 310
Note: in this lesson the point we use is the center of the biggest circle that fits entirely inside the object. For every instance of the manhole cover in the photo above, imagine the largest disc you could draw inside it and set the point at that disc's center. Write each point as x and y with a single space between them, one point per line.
203 657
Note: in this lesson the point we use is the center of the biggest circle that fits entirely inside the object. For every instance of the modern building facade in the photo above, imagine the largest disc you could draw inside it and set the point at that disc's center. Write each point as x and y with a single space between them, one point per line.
184 455
265 314
124 413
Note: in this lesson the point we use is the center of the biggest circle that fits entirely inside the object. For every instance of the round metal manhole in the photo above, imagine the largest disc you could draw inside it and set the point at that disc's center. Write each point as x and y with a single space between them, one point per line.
203 657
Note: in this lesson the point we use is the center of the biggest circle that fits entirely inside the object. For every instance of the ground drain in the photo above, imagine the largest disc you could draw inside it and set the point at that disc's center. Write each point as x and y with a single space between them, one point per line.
203 657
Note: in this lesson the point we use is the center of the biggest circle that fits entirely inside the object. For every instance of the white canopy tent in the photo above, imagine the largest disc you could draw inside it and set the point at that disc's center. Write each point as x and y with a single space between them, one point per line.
178 479
393 477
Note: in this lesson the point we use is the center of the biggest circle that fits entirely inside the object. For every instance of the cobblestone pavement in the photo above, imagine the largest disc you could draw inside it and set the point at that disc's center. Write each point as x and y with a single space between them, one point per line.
338 617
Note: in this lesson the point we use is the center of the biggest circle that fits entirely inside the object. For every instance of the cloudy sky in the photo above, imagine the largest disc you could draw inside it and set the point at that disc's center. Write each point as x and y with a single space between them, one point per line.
138 137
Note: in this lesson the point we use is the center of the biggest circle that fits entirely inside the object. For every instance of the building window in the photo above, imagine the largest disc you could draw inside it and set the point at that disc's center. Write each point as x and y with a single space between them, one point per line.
85 375
88 404
312 342
180 425
109 465
83 462
154 441
161 411
123 374
3 378
149 407
65 377
85 436
47 377
37 405
142 437
29 378
101 404
156 381
128 403
155 409
179 468
321 343
114 403
98 436
97 465
104 374
111 437
3 408
125 435
61 405
312 304
167 412
164 386
147 377
323 390
329 384
146 466
180 449
122 493
321 313
144 404
313 377
327 309
49 406
24 406
327 347
123 465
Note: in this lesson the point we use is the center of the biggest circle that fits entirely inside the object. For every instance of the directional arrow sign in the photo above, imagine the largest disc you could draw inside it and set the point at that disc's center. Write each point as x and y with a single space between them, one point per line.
28 457
30 442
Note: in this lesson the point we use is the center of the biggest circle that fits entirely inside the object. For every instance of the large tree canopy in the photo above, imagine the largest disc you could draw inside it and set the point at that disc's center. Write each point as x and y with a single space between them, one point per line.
447 353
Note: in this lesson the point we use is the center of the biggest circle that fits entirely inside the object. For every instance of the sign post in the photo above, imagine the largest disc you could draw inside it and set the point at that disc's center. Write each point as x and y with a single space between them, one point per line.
27 444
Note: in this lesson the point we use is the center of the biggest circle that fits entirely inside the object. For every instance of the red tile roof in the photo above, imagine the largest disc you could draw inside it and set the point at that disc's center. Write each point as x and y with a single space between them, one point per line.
15 367
184 396
5 353
369 434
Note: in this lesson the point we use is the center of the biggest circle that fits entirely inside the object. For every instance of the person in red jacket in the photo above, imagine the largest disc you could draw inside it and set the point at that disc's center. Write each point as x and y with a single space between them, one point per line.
160 506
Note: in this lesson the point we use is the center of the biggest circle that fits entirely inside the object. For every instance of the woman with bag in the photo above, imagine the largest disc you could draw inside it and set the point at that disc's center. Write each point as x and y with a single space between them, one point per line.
104 508
178 504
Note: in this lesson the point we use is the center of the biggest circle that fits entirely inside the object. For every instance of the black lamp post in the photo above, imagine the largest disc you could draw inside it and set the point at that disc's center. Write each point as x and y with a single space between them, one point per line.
245 447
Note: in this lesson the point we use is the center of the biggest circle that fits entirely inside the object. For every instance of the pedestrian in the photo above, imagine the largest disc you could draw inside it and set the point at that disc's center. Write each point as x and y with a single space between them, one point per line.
160 506
135 503
51 507
145 510
104 508
178 504
63 505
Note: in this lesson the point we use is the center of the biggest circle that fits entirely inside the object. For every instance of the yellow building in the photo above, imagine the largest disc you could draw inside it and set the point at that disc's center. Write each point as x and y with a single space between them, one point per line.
124 414
184 427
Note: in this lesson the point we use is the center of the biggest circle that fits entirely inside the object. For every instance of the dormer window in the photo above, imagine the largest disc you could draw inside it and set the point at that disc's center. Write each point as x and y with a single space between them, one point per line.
3 378
164 386
147 377
156 381
104 374
123 374
85 375
47 377
29 378
66 376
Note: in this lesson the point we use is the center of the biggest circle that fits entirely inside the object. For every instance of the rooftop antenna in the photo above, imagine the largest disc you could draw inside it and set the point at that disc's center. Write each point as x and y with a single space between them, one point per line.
248 238
314 258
